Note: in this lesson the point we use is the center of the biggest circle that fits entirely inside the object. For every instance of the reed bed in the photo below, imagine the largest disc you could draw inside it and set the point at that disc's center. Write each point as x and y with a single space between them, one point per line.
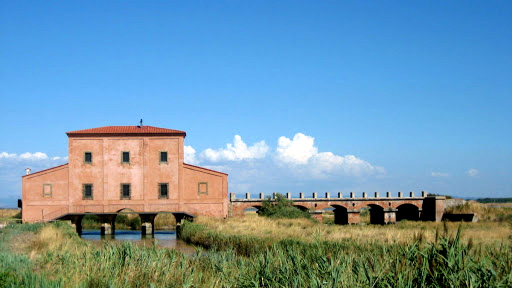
401 232
6 214
57 257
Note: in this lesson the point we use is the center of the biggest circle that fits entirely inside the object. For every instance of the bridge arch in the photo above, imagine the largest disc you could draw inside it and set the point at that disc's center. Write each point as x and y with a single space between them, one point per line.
376 214
340 215
127 218
407 212
165 220
254 209
301 207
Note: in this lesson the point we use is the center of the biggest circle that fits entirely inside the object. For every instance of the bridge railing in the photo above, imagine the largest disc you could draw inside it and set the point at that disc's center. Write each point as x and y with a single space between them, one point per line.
339 196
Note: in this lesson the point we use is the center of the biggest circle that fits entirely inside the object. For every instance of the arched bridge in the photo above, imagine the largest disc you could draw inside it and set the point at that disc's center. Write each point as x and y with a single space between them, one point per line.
347 210
108 220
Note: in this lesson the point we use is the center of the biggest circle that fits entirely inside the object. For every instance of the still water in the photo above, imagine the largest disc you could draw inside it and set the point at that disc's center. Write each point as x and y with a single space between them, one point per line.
163 239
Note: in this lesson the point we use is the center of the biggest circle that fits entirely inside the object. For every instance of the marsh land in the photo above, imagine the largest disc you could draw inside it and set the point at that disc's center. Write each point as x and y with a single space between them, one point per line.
256 251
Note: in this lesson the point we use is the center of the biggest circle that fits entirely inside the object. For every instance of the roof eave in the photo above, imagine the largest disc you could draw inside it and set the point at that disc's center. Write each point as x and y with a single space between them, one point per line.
71 134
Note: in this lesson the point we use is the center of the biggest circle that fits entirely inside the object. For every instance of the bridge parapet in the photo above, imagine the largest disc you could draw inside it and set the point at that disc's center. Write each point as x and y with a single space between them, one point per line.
385 209
327 197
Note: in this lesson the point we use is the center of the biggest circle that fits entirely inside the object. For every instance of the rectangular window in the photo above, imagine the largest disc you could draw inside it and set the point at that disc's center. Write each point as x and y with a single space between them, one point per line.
202 188
47 190
125 157
163 156
125 191
87 191
88 157
163 190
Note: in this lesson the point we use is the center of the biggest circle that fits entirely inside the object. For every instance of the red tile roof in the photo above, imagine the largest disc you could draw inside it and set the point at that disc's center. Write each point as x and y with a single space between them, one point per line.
126 131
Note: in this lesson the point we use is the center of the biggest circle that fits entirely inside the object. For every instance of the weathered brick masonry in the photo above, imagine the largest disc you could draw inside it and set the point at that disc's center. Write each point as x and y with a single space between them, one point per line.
117 167
383 210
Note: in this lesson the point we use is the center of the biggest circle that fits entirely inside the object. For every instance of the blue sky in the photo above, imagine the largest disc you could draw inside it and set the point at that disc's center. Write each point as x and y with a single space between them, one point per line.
325 95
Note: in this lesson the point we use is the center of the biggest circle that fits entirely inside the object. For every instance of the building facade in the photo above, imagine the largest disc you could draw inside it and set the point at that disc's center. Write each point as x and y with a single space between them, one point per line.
118 167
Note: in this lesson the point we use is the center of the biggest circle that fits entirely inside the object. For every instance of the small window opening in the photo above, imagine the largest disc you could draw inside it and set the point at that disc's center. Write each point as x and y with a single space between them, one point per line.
87 191
88 157
163 157
125 191
125 157
163 190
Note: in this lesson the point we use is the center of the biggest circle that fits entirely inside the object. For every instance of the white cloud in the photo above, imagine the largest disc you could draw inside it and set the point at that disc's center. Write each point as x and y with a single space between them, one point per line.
7 155
28 156
440 174
190 155
60 158
236 151
296 151
301 154
33 156
472 172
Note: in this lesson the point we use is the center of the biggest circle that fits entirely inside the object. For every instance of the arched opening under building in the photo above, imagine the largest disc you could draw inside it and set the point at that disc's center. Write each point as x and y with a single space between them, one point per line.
407 212
165 221
127 219
90 222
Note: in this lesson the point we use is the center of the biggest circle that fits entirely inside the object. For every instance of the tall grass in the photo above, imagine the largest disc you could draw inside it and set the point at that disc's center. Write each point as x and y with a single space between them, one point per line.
6 214
252 261
446 262
492 233
484 212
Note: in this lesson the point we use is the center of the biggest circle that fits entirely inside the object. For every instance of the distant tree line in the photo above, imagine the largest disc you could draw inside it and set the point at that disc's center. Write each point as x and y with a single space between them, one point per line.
494 200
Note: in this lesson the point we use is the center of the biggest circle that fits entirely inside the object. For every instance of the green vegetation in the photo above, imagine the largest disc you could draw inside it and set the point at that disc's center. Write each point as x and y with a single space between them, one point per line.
281 207
123 221
483 211
494 200
164 221
10 214
446 262
54 256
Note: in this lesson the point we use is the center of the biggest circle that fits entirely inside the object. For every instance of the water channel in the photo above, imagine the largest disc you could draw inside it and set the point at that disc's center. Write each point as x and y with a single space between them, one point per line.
163 239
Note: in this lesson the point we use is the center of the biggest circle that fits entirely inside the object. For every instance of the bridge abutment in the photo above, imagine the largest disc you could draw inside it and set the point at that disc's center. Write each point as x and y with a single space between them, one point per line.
389 216
317 214
433 208
353 216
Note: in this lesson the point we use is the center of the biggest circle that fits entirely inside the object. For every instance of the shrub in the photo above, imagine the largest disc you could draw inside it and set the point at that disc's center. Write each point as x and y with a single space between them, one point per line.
135 223
281 208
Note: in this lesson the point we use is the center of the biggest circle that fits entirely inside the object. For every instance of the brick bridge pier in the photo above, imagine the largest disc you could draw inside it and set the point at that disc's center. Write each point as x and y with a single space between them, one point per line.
383 209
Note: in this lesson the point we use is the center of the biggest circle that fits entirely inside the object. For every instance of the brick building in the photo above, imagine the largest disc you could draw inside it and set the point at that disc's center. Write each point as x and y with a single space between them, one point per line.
117 167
